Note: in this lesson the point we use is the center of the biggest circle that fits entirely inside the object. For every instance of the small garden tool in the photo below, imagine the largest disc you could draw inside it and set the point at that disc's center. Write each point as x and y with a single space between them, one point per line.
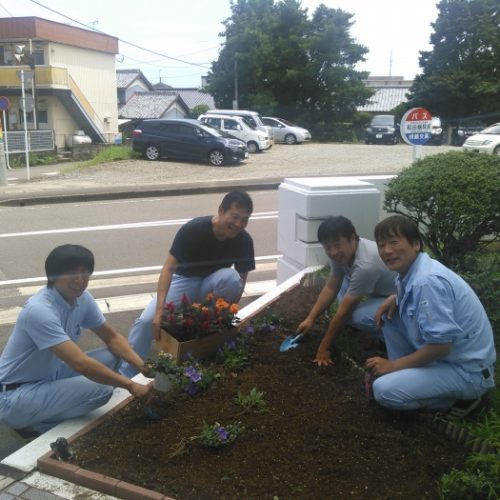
291 342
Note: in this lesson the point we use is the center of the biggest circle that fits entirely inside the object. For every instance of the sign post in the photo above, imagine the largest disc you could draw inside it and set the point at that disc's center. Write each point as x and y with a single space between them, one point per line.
23 105
4 104
415 127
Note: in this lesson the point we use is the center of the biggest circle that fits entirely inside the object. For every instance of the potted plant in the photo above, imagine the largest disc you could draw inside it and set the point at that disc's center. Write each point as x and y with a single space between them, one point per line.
165 371
197 329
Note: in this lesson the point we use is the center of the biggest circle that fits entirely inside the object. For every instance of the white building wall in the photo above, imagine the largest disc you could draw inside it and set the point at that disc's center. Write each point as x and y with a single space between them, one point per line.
95 74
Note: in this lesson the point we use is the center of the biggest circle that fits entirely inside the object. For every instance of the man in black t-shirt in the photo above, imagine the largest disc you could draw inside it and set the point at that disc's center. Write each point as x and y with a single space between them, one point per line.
199 262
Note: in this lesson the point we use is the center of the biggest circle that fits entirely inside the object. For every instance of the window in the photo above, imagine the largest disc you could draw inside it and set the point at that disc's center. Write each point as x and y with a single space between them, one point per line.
215 122
42 116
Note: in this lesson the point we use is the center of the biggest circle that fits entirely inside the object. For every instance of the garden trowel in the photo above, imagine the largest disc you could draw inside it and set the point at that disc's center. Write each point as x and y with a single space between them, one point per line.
291 342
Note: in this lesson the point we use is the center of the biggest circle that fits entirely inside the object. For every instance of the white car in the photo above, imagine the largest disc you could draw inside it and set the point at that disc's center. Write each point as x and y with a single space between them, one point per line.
285 131
486 141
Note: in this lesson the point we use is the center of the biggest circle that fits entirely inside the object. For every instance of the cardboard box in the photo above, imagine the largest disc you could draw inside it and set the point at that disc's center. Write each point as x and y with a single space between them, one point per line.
202 348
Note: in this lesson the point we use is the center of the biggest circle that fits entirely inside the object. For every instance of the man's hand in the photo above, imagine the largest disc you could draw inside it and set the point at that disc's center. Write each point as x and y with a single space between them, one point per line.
388 307
157 327
305 326
379 366
323 357
140 391
147 371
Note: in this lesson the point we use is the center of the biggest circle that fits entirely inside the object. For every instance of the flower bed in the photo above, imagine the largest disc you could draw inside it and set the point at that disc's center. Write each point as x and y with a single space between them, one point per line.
315 437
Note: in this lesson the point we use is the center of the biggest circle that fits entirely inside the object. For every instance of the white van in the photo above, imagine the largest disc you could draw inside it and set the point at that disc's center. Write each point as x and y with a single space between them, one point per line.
256 139
251 117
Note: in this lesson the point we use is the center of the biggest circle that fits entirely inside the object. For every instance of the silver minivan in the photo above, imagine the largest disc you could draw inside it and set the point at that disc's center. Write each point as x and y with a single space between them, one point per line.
251 117
256 139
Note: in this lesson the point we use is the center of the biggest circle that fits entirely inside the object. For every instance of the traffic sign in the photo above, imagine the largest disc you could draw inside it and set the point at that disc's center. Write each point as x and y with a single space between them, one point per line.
4 103
416 126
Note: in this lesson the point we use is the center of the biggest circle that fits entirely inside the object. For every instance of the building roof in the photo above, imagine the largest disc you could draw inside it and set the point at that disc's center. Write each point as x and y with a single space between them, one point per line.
35 28
125 78
150 104
390 91
161 86
194 97
385 99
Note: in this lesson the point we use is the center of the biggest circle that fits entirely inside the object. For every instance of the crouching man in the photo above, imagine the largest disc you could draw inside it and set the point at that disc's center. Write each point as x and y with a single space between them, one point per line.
439 340
45 378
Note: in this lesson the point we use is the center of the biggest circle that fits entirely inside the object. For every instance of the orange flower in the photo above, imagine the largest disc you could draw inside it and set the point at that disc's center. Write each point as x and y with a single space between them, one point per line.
221 304
233 308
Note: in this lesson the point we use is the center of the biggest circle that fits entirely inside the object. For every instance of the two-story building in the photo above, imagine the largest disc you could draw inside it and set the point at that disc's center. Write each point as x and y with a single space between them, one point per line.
69 78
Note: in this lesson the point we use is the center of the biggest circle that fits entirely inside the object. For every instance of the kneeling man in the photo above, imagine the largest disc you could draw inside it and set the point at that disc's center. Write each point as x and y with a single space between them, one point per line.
45 377
439 340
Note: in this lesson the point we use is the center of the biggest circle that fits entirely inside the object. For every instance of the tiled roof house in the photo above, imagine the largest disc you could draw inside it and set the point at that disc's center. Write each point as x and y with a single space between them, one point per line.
390 91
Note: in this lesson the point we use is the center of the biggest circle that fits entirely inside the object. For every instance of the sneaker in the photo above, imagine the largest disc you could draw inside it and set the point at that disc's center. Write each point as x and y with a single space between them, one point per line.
462 408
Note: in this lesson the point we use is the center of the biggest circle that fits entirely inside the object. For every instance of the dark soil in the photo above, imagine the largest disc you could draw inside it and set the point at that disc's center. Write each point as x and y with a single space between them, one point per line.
319 439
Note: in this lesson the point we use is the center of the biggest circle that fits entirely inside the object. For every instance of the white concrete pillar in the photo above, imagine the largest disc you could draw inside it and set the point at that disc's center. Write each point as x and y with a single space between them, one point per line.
303 203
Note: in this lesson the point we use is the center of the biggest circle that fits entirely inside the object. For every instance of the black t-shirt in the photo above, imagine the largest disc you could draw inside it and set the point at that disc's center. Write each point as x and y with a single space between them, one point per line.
200 253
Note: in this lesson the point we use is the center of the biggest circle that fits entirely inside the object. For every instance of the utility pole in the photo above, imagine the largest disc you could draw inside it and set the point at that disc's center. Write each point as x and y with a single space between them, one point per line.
235 102
3 169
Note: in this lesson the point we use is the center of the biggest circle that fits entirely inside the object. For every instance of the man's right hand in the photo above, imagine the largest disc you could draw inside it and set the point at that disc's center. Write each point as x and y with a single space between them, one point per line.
323 357
388 307
305 326
140 391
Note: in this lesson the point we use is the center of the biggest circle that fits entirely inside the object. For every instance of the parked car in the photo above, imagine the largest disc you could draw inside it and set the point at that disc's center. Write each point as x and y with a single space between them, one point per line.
285 131
186 139
487 141
251 117
255 139
383 129
436 131
465 129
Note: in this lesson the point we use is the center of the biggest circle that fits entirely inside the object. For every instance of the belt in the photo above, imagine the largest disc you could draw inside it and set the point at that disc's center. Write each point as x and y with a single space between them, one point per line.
10 387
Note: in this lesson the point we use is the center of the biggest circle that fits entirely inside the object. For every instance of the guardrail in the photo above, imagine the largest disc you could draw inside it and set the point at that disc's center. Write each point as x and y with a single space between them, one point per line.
38 140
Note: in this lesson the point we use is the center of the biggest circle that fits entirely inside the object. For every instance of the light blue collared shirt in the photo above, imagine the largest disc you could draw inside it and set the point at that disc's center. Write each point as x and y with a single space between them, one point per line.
45 321
438 306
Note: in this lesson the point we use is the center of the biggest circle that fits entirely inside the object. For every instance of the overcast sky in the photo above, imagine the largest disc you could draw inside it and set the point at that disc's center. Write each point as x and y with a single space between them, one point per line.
392 30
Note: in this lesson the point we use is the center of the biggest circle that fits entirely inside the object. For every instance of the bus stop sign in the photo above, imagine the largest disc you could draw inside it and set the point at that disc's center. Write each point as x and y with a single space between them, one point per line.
416 126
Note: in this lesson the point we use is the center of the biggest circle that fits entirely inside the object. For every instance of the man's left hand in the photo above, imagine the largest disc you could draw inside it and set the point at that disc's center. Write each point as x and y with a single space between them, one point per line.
379 366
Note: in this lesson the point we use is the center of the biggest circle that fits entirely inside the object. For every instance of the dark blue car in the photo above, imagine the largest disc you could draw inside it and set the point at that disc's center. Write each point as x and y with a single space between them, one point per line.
186 139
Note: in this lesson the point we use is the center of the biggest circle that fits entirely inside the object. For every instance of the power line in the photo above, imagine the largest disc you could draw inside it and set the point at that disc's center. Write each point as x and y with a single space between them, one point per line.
123 41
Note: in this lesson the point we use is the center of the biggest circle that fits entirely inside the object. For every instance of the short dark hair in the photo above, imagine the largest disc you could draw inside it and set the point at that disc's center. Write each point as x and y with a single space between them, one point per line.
65 259
335 227
399 225
239 198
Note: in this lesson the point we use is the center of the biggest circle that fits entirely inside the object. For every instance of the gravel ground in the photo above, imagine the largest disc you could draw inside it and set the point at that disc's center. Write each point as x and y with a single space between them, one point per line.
279 162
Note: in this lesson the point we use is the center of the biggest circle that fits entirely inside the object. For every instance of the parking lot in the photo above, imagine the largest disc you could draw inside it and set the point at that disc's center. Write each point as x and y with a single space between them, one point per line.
281 161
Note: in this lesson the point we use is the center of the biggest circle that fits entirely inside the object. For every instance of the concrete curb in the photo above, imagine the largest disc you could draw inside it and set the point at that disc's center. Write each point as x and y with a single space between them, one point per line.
62 196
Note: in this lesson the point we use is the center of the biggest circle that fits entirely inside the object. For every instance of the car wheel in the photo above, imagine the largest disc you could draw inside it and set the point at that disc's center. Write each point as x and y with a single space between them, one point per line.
290 139
151 152
216 158
496 151
253 147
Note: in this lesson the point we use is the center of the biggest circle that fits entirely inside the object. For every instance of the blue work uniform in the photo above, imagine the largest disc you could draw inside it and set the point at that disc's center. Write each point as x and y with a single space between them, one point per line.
436 306
37 388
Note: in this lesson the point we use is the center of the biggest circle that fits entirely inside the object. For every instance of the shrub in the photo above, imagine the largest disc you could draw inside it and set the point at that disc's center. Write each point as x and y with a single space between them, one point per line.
455 199
479 480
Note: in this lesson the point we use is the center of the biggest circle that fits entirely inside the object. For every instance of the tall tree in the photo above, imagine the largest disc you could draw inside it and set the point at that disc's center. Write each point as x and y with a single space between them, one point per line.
289 64
461 74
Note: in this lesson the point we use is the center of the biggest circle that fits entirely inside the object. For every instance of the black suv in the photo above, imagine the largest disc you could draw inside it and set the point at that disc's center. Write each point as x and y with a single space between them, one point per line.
186 139
382 129
465 129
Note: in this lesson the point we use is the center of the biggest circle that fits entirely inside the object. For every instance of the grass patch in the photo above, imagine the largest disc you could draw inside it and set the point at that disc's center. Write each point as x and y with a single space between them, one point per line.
107 155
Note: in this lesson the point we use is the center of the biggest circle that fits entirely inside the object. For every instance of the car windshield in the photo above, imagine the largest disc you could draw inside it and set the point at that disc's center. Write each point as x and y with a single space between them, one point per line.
383 120
286 122
251 122
493 130
217 132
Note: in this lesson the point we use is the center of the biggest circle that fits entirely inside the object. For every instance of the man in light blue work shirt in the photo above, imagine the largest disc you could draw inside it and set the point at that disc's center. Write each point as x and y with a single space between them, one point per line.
439 340
45 377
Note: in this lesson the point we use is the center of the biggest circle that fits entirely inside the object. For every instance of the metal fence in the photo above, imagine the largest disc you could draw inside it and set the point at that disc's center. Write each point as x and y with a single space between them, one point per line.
38 140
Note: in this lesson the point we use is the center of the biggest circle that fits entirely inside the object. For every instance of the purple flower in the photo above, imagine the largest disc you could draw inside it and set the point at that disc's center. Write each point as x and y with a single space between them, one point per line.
231 345
249 330
192 389
192 374
222 433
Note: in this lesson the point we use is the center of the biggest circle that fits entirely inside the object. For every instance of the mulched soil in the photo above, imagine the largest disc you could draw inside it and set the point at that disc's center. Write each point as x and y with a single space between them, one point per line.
318 439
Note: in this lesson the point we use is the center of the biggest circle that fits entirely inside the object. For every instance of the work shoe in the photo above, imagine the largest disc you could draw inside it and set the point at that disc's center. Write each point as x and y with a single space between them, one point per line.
462 408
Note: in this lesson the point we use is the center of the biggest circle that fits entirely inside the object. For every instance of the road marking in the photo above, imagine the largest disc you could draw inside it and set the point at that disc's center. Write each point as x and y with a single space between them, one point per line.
129 270
134 302
134 225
